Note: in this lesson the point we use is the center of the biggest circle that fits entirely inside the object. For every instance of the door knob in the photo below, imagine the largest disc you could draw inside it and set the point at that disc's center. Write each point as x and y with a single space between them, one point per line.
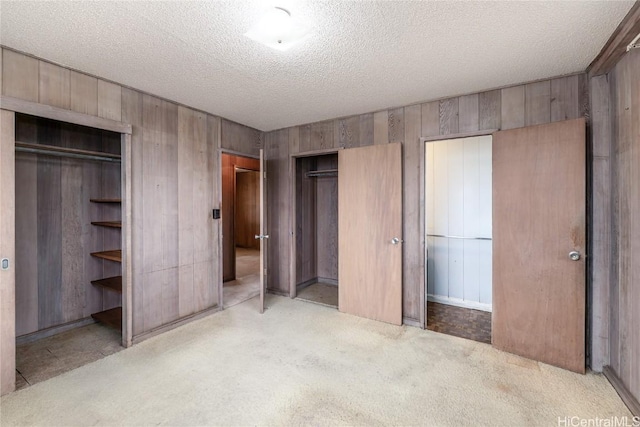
574 255
396 240
261 236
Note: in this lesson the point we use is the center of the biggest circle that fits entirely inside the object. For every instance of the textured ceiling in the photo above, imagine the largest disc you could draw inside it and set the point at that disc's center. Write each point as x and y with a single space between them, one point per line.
361 57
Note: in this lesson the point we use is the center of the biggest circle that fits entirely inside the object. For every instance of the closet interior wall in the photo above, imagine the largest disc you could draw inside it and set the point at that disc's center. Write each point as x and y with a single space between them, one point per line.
316 221
54 235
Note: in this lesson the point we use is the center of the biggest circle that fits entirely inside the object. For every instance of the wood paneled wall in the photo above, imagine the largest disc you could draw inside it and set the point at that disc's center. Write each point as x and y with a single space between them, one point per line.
54 235
229 164
517 106
175 183
625 216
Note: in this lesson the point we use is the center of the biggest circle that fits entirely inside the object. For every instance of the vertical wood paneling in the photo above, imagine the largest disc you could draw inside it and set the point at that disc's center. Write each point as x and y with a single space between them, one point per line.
537 108
49 243
381 127
19 76
26 262
201 208
348 132
247 218
513 107
7 248
294 140
322 135
490 109
213 144
366 129
305 139
109 100
306 223
239 138
84 93
186 153
564 98
449 116
326 231
412 248
624 293
431 118
73 279
469 113
54 85
132 112
600 222
396 125
169 212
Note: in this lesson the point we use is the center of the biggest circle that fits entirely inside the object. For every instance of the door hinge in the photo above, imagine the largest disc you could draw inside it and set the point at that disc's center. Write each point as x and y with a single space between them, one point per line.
264 174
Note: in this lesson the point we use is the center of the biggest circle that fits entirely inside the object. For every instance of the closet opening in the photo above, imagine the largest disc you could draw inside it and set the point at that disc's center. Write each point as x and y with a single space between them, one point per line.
68 276
316 229
241 225
458 215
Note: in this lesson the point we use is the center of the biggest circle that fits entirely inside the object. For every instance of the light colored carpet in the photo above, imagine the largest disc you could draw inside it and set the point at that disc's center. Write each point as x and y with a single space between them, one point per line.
247 283
306 364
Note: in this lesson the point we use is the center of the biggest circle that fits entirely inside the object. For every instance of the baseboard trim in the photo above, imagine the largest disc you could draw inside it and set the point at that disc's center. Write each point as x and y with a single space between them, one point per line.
459 303
175 324
412 322
278 292
327 281
54 330
624 393
306 283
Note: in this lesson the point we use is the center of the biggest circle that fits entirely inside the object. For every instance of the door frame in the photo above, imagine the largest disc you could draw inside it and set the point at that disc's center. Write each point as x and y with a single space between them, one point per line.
125 130
292 211
423 218
222 151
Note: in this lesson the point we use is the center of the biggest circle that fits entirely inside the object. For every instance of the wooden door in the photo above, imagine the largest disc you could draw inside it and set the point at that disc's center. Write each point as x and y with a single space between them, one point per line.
538 222
263 225
370 232
7 252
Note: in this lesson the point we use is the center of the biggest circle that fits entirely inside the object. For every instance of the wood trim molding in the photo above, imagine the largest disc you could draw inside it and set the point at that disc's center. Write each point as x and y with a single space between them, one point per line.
626 396
238 153
169 326
127 224
616 46
458 135
316 152
60 114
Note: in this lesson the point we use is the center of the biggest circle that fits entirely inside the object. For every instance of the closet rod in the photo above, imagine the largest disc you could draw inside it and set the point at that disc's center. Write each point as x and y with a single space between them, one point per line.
458 237
66 152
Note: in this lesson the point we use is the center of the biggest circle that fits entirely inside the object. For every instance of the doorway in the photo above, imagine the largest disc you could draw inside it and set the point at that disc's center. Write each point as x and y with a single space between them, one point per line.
458 211
316 224
68 246
241 223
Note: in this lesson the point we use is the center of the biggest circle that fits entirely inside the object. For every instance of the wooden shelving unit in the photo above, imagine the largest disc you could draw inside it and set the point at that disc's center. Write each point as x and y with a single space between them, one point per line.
110 224
113 283
113 316
105 200
115 255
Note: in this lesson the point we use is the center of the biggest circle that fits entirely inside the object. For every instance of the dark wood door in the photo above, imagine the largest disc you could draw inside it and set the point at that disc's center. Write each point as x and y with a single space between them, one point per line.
539 243
370 232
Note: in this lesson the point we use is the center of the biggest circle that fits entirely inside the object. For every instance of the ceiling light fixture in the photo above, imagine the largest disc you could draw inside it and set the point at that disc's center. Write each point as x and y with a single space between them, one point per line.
278 30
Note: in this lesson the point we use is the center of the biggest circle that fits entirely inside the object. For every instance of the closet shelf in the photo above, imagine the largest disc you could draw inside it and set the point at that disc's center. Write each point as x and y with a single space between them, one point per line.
53 150
113 283
105 200
110 224
111 317
115 255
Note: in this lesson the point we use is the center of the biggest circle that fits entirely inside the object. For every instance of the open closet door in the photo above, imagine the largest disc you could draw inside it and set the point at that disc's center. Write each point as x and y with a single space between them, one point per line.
539 243
370 232
7 253
263 225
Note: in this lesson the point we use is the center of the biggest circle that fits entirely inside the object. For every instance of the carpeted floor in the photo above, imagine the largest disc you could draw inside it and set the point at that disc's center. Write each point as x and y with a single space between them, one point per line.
320 293
306 364
247 282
